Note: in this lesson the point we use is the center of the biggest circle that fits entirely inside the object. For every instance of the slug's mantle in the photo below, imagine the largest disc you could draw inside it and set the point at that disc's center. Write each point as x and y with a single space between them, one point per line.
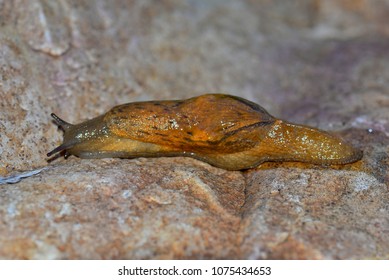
223 130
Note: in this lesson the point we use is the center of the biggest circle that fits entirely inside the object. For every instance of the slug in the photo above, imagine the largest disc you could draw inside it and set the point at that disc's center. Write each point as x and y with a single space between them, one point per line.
223 130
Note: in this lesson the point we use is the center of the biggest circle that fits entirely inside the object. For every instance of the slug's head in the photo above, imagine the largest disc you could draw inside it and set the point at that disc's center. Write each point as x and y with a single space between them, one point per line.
79 137
65 126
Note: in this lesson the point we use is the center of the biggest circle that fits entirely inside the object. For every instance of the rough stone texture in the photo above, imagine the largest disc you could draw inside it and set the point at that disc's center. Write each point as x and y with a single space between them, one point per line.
114 209
323 63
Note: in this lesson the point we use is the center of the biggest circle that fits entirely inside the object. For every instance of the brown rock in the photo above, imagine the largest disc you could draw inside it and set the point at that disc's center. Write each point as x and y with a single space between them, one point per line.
314 213
114 209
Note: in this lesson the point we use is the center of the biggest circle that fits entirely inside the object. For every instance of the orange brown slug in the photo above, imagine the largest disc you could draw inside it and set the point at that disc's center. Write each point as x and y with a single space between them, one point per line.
223 130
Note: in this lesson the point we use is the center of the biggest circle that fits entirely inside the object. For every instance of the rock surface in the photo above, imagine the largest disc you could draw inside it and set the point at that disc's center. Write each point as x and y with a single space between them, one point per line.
321 63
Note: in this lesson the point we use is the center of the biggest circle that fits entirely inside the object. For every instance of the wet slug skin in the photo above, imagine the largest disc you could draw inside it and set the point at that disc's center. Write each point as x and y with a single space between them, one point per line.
223 130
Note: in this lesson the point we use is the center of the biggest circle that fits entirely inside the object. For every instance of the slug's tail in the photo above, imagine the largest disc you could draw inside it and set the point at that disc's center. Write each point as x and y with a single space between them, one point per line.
306 144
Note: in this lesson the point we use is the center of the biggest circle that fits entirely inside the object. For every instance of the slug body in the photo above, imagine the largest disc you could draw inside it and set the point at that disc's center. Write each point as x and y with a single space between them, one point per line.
225 131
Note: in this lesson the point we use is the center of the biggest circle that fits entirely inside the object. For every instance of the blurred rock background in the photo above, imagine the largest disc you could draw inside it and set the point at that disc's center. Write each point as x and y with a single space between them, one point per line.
323 63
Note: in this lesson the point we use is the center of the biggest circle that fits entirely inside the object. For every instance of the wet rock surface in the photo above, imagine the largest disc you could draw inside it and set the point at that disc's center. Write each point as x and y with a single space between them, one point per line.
325 64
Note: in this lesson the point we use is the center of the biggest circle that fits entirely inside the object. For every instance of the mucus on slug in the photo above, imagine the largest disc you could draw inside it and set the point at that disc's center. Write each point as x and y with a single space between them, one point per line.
223 130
